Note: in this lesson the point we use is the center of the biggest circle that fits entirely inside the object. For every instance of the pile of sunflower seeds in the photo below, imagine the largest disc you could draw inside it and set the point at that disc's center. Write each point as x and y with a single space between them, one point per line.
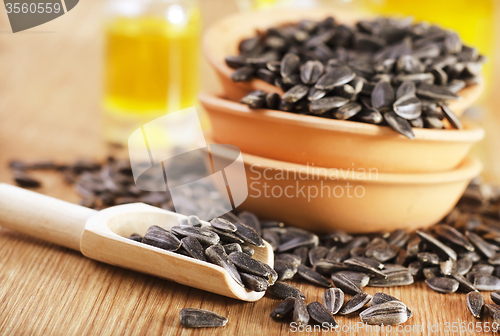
460 254
385 72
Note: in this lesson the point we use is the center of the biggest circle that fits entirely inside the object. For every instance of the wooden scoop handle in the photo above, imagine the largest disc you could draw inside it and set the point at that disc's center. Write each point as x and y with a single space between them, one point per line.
43 217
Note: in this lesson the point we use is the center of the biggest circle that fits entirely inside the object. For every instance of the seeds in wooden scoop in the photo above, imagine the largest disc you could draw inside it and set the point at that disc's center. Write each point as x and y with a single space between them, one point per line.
312 276
386 313
232 247
283 290
194 248
249 219
223 224
333 299
218 256
283 309
300 313
475 303
200 318
248 234
357 302
247 264
204 235
254 282
159 237
442 284
319 314
255 99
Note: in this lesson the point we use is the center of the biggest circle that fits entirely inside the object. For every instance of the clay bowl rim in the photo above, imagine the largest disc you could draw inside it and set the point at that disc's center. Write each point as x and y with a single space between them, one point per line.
470 133
469 168
468 95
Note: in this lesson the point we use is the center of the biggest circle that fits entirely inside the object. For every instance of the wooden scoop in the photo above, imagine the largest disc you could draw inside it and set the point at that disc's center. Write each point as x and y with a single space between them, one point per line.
101 235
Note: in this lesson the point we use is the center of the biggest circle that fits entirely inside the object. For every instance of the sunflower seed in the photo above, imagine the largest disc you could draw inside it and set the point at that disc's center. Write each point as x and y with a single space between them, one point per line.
357 302
313 276
431 272
406 89
200 318
408 107
394 277
333 299
227 236
194 248
218 256
300 313
452 235
345 284
335 77
247 264
382 252
347 111
289 65
370 116
254 282
475 303
399 124
447 267
283 290
223 224
243 74
204 235
485 282
495 296
24 180
440 247
435 92
285 269
296 93
386 313
159 237
492 309
481 245
456 85
248 250
288 257
311 71
251 220
366 265
328 267
323 105
382 96
255 99
235 62
464 285
248 234
428 259
360 279
320 314
283 309
272 101
483 269
232 247
463 266
451 117
442 285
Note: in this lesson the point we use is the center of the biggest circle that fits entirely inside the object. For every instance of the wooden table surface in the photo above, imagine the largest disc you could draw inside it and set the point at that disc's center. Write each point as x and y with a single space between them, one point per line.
49 108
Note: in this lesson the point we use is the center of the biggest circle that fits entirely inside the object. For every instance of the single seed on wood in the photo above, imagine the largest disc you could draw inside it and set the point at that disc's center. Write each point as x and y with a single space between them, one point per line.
200 318
320 314
283 309
355 303
333 299
475 303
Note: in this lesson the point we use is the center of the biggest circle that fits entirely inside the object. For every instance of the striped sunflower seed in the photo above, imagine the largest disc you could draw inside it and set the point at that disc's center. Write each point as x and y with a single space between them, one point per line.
357 302
319 314
283 309
475 303
343 282
194 248
300 313
159 237
254 282
204 235
386 313
283 290
218 256
247 264
285 269
313 276
333 299
442 284
223 224
200 318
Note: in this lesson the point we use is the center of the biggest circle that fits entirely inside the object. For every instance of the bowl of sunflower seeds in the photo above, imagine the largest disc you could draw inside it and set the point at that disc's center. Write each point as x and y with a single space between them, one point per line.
311 54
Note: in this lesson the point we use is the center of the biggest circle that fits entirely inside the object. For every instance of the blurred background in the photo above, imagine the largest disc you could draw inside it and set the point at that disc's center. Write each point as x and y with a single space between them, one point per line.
75 85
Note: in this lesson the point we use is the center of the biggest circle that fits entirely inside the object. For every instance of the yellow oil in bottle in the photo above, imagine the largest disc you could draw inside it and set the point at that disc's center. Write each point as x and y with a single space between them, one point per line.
151 68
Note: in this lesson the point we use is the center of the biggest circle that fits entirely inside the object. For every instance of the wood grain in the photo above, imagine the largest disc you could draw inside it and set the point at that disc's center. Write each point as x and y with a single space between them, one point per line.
49 107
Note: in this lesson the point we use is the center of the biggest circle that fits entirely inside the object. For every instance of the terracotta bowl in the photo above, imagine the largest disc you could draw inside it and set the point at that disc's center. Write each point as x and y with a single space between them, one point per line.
354 202
222 39
343 144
